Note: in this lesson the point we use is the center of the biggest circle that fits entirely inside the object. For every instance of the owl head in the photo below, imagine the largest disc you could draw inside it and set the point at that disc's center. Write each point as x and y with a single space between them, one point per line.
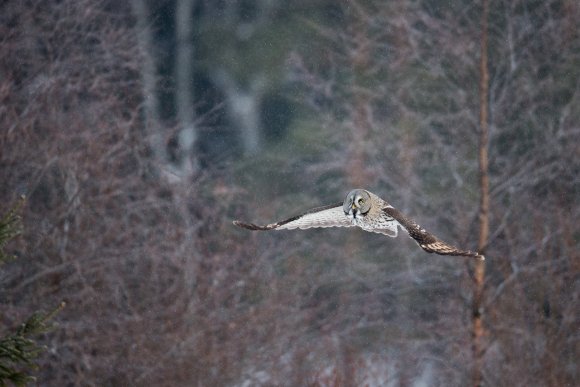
357 202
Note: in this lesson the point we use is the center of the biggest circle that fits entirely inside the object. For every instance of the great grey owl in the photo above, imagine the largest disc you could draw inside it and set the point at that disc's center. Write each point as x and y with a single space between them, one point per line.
371 213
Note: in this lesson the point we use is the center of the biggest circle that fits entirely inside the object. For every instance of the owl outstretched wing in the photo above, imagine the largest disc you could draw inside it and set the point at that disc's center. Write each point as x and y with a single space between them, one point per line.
327 216
427 241
387 226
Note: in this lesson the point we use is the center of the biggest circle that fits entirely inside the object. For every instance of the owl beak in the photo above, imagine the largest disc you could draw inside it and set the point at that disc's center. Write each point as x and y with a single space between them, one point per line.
353 209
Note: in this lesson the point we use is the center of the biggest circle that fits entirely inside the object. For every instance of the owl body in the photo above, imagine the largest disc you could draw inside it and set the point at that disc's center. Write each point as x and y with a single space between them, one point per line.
366 210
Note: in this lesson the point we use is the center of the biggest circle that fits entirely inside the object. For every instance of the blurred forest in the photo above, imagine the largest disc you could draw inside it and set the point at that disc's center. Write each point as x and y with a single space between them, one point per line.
139 130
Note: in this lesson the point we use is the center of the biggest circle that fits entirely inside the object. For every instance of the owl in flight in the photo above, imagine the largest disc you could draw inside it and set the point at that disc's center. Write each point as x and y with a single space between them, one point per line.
371 213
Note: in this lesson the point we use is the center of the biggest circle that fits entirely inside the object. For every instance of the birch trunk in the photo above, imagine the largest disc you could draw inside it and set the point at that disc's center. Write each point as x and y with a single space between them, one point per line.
187 135
149 81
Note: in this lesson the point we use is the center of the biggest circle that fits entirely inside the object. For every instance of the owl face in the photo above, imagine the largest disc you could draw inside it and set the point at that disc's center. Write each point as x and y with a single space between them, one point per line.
357 203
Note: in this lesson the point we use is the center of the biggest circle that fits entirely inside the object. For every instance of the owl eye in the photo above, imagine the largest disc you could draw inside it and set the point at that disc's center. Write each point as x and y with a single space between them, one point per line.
361 201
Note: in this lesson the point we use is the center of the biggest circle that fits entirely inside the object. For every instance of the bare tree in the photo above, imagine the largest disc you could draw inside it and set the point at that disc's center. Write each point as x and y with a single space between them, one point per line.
239 63
161 290
184 96
151 108
428 104
479 271
102 233
243 102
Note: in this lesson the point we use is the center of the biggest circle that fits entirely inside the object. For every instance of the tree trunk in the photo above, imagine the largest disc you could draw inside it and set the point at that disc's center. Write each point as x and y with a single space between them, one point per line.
357 171
244 108
479 272
187 136
149 80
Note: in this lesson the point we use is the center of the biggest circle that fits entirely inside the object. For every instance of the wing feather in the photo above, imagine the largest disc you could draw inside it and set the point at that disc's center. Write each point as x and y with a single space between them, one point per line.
327 216
385 231
387 227
427 241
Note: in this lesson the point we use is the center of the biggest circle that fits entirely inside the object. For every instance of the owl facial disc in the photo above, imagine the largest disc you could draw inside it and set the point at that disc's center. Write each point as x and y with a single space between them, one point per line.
357 204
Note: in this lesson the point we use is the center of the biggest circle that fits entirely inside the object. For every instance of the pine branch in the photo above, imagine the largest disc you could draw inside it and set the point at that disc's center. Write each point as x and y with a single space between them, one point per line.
18 351
10 227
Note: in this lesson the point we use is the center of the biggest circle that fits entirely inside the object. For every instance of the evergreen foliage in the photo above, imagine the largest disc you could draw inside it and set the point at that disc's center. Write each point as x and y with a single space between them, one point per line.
18 350
10 227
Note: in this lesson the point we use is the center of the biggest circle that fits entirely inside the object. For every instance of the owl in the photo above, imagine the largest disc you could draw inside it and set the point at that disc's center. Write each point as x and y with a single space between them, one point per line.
366 210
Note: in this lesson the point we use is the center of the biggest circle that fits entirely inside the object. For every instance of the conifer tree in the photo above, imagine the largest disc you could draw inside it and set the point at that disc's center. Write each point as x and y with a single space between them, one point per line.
18 350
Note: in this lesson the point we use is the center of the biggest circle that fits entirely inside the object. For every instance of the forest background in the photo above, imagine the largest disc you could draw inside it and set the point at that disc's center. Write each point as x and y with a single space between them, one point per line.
138 130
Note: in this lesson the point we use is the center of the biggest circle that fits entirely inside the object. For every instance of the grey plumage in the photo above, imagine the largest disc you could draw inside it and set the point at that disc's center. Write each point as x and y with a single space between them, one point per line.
366 210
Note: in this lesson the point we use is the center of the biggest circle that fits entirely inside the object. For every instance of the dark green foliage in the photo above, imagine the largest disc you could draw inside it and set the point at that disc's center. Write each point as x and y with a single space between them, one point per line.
18 350
10 227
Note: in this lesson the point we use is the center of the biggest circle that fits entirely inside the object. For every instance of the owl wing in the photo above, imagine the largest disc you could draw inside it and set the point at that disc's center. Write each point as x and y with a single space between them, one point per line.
387 226
327 216
428 242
